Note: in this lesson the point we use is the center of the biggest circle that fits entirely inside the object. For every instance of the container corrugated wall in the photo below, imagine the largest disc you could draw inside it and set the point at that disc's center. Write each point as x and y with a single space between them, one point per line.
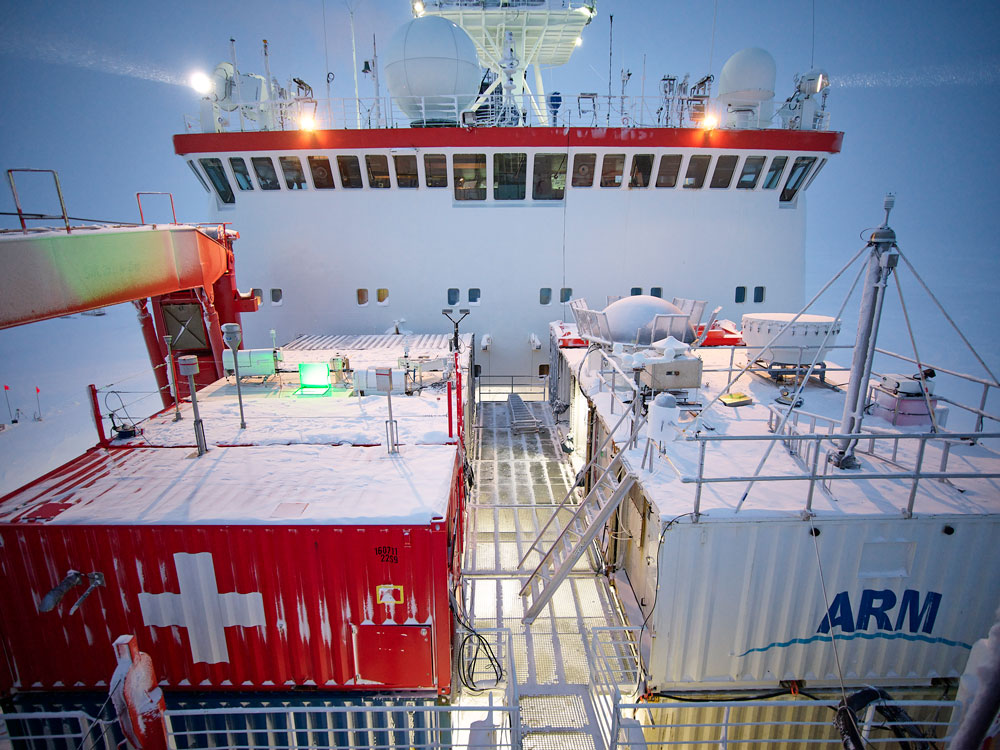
742 602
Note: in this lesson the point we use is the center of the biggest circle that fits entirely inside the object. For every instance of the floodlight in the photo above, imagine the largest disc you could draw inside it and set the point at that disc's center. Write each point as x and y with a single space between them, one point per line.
201 83
307 122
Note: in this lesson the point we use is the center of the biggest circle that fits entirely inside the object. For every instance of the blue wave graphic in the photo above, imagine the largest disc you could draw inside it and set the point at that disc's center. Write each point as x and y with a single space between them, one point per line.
851 637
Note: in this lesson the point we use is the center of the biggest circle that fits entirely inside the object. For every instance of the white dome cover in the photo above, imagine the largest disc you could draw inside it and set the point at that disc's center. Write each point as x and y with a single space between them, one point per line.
432 69
748 76
634 315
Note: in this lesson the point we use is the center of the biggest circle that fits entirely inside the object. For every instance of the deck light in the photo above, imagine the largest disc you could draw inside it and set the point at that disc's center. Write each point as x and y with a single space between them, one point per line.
579 41
710 122
201 83
307 122
418 7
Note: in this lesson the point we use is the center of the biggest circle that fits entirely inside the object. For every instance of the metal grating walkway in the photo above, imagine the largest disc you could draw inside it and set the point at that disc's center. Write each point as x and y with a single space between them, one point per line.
520 478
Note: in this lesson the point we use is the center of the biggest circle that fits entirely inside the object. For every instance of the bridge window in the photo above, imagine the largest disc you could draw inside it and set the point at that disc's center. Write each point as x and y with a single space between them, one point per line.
656 291
758 294
198 175
697 169
406 170
642 169
752 168
774 172
510 173
741 295
276 296
267 178
819 168
382 296
213 168
350 171
378 171
436 170
611 170
565 294
670 166
583 169
321 172
722 177
636 291
241 173
362 297
549 180
470 177
453 295
797 174
545 296
475 295
295 178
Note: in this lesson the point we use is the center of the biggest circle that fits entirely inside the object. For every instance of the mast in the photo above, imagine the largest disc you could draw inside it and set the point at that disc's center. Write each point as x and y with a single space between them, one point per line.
882 259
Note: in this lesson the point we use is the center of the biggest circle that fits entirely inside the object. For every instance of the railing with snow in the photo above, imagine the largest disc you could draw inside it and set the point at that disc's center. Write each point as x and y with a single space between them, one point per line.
587 110
629 720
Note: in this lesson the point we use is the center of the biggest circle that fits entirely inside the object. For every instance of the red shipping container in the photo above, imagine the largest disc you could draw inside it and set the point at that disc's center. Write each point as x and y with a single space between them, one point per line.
277 601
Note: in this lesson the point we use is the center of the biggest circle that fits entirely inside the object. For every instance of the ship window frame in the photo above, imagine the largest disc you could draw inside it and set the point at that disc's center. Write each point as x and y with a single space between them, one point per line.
454 295
635 174
668 179
740 297
276 299
613 177
475 165
759 293
321 181
350 176
635 291
543 174
815 172
378 181
545 295
695 175
801 168
382 296
241 174
656 291
291 170
216 174
362 297
198 175
748 170
431 171
265 181
543 370
724 163
772 177
475 295
405 179
510 175
565 294
584 167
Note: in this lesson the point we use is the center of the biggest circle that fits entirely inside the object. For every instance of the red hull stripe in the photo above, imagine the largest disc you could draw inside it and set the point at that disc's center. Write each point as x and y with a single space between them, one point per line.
557 138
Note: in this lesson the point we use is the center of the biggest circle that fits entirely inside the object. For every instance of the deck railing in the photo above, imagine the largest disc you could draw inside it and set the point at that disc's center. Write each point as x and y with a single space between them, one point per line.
498 387
629 722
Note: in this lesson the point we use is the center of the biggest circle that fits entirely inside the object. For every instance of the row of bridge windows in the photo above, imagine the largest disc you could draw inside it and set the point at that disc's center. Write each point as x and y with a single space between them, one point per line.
549 173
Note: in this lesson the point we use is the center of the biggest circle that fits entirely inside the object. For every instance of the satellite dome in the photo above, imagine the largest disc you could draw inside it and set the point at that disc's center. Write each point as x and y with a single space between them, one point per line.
748 77
630 319
432 70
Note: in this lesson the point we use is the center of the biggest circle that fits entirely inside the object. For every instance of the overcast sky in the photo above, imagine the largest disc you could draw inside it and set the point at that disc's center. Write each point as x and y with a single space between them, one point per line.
96 90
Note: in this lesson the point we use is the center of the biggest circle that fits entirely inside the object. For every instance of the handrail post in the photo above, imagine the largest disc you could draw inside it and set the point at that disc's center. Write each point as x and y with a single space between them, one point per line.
982 408
817 441
908 513
701 472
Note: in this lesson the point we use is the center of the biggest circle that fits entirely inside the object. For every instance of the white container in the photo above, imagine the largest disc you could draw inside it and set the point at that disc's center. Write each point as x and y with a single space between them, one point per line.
798 344
741 604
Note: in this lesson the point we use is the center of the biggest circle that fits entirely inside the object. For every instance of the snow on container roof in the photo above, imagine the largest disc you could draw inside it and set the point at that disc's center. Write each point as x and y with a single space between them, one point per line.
274 485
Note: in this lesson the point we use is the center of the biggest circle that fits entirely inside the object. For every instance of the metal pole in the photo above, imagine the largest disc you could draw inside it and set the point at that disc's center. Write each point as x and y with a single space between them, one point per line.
354 58
239 391
199 428
236 80
168 340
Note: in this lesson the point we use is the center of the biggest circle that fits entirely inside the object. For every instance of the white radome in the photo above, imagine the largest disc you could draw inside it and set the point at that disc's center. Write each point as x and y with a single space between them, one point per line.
748 77
432 69
630 319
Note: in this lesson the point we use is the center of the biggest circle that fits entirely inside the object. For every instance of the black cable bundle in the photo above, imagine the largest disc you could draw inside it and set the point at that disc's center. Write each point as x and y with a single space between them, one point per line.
466 668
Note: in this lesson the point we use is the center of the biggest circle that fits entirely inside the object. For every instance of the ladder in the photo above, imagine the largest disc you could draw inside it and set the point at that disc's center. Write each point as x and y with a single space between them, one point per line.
580 531
521 418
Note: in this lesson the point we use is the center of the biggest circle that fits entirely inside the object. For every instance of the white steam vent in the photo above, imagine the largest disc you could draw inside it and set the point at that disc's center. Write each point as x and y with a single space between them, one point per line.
631 320
746 88
432 70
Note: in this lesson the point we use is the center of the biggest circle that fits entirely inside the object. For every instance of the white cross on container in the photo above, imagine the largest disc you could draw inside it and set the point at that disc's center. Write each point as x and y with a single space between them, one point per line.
201 609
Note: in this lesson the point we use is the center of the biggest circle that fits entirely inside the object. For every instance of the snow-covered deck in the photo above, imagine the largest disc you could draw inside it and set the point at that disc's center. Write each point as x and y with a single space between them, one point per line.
671 482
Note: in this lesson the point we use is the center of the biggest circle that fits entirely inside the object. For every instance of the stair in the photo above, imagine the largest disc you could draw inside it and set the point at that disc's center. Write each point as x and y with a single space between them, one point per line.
575 537
521 418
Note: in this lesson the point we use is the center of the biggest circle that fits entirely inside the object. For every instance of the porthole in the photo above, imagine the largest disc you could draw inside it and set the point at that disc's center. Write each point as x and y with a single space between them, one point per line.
362 297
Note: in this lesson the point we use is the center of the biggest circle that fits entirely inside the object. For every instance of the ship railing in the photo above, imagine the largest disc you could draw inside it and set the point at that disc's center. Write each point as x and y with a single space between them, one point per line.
498 387
629 718
585 110
72 730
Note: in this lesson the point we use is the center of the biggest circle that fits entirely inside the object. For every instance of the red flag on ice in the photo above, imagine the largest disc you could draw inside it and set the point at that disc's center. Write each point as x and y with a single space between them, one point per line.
37 390
6 387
